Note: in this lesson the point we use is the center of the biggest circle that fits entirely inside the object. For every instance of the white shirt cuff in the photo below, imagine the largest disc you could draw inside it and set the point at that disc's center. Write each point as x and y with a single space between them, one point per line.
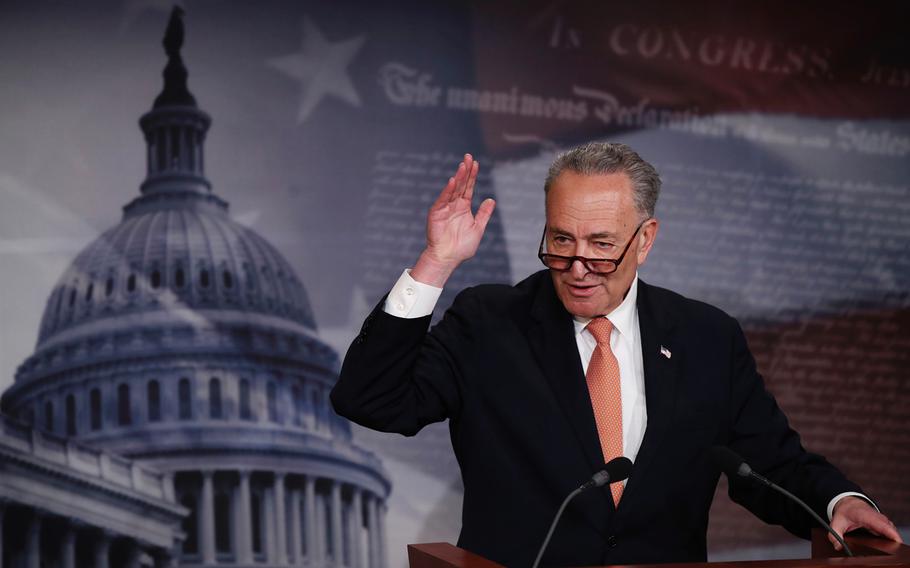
837 498
411 299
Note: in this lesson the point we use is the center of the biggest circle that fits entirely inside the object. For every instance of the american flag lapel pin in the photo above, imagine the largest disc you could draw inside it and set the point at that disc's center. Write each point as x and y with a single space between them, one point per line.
665 352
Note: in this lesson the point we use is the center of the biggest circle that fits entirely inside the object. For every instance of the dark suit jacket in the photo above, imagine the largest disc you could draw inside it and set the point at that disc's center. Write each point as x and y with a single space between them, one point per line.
502 365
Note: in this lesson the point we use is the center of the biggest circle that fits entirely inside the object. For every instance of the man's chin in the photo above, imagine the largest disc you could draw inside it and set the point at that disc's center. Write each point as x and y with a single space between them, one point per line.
583 308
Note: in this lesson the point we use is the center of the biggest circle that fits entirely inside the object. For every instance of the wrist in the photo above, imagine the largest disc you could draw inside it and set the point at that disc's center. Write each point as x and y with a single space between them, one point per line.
848 500
431 270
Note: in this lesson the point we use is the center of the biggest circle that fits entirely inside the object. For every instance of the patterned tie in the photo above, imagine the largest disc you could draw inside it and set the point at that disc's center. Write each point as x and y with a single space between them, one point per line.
603 385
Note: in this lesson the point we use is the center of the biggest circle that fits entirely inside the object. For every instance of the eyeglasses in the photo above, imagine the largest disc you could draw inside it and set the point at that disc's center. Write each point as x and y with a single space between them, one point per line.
595 265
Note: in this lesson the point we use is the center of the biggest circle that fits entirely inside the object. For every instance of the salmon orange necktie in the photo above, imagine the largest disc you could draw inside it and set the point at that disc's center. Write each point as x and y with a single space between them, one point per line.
603 385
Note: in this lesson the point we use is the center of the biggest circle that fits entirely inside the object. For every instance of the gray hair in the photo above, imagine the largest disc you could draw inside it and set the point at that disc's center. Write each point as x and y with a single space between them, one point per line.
595 158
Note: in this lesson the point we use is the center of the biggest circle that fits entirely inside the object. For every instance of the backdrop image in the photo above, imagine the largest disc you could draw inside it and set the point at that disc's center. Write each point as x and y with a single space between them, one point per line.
199 206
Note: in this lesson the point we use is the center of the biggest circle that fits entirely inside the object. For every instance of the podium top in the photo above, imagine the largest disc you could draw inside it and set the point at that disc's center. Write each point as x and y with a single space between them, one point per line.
869 551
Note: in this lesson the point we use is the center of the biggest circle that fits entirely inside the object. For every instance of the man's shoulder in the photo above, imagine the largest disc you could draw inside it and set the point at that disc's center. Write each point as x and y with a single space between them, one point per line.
666 303
496 298
526 289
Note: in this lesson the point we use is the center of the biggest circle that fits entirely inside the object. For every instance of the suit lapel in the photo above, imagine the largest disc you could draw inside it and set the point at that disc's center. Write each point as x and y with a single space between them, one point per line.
656 325
552 338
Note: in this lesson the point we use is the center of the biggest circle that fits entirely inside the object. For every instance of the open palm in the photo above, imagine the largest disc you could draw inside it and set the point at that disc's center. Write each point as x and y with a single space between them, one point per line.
453 231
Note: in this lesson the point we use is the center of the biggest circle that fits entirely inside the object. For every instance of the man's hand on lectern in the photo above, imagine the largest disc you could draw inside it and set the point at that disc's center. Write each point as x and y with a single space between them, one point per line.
852 513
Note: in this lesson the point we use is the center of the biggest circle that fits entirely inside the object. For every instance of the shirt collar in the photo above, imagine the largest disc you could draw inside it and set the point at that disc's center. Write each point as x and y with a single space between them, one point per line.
622 317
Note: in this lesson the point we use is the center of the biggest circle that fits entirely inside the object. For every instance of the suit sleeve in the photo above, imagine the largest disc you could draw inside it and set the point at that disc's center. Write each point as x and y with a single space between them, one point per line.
398 377
761 434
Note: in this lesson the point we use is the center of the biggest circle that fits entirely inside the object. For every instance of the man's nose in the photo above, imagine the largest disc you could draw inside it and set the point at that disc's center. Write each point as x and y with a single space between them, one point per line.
578 269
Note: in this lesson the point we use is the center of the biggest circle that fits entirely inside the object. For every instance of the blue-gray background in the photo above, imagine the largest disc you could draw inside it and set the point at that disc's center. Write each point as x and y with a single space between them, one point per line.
783 144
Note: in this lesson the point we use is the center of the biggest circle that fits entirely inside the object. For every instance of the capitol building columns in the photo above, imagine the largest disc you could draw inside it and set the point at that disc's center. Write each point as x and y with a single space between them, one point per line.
243 524
310 526
281 548
68 547
373 517
207 519
296 536
337 541
357 528
33 541
50 540
281 518
102 549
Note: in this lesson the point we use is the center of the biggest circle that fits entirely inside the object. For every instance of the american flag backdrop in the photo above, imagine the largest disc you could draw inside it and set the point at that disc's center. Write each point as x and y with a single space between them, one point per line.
781 131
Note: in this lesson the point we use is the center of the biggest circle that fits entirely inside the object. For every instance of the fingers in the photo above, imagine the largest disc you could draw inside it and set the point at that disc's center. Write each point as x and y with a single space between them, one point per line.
465 177
455 187
837 546
472 170
882 526
461 185
446 195
875 523
484 212
841 524
893 534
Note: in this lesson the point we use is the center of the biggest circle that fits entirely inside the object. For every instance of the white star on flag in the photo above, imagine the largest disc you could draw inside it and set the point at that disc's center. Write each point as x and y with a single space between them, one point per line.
321 69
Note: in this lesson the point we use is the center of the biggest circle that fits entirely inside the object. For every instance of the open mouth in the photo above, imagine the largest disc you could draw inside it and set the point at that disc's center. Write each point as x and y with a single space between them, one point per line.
582 290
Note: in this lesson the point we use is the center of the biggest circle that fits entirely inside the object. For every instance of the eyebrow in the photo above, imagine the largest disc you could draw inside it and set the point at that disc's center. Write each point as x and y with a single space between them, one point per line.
603 235
600 235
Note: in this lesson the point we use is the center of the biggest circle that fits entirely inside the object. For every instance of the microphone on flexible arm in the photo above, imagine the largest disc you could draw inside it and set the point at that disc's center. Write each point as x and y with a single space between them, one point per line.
614 471
733 465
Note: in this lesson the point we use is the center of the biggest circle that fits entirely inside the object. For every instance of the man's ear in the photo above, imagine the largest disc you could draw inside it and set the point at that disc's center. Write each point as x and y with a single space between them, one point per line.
646 238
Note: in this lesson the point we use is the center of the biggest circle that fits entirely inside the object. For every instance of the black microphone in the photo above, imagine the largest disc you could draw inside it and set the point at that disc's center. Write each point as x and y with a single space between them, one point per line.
732 464
615 470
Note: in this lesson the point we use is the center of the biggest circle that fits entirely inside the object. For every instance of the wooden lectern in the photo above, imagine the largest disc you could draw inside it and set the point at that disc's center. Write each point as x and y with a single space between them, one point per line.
869 551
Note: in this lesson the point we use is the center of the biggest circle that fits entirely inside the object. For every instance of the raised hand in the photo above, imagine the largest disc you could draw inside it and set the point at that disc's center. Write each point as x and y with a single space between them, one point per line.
453 231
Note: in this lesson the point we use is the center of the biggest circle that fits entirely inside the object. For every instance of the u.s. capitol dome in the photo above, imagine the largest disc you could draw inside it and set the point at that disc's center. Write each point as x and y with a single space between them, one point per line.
185 341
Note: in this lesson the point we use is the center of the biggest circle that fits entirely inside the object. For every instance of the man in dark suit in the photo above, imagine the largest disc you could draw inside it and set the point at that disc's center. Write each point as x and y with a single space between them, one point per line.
545 381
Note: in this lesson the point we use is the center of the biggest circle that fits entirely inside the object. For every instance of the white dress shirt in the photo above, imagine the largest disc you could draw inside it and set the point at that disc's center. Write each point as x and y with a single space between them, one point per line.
412 299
